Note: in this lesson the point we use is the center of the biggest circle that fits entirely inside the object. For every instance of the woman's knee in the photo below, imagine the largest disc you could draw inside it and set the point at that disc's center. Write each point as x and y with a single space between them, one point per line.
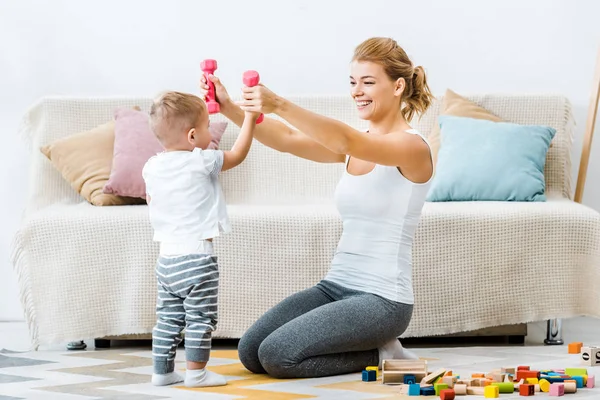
248 353
276 359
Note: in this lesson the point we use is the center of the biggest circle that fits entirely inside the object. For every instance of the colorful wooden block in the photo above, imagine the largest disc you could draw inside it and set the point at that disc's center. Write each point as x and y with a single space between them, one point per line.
544 385
508 371
526 389
524 374
373 368
439 387
504 387
579 381
414 389
447 394
427 391
576 371
575 347
591 381
532 381
491 392
477 375
409 379
590 356
523 368
557 389
369 376
460 389
570 386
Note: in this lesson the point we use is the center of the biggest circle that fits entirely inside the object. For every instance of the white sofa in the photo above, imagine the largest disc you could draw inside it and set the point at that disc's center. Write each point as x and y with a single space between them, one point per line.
87 271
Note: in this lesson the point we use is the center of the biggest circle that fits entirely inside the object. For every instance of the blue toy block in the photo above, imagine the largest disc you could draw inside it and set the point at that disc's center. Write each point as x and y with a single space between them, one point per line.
414 389
579 381
369 376
427 391
409 379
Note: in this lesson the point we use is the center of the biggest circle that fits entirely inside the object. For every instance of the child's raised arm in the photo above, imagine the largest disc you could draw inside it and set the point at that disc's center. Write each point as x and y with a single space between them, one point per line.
234 157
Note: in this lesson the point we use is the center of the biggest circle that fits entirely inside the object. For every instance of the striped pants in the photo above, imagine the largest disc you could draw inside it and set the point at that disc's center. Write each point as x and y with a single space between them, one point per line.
187 298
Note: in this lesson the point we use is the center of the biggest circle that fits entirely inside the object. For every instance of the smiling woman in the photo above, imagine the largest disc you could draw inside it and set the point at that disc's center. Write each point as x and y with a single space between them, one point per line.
353 317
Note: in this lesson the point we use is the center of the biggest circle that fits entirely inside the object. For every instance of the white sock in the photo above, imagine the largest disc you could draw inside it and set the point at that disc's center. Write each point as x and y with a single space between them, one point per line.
203 378
393 350
166 379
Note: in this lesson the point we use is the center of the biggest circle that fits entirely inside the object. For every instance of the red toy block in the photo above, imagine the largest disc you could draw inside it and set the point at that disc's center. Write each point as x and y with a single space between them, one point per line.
522 368
526 390
524 374
447 394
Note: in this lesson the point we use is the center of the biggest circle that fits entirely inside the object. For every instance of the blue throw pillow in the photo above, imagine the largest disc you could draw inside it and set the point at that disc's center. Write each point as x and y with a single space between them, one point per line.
481 160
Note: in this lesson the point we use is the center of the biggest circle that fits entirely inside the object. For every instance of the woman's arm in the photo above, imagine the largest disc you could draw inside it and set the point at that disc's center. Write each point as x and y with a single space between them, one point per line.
279 136
403 150
272 133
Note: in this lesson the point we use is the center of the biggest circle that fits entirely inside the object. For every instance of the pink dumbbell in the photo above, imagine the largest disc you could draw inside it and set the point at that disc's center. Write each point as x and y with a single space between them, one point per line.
209 67
251 78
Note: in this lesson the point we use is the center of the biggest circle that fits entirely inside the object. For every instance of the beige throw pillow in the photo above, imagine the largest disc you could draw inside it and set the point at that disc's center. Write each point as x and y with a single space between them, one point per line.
85 161
458 106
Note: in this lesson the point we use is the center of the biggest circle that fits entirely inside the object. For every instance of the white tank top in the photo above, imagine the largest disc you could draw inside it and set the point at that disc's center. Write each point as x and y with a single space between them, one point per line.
380 211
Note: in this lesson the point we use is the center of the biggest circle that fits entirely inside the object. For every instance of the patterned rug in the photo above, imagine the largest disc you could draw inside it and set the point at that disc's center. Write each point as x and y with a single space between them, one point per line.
124 373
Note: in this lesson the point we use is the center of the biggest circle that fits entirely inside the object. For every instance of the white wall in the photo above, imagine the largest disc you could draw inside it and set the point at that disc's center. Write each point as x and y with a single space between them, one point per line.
125 47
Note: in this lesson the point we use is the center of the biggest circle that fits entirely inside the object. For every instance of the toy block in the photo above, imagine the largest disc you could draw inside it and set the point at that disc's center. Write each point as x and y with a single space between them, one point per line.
532 381
524 374
439 387
557 389
590 356
570 387
576 371
591 381
448 373
427 391
504 387
526 389
486 382
447 394
477 375
544 385
373 368
393 371
369 376
575 347
537 388
491 392
559 371
414 389
409 379
476 390
509 378
579 381
433 376
507 371
460 389
448 380
523 368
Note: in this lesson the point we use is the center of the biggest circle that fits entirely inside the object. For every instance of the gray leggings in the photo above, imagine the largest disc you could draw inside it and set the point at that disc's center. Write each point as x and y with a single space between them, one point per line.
322 331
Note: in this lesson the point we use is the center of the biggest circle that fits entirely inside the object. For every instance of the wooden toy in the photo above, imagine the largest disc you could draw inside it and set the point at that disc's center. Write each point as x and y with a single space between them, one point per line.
575 347
544 385
460 389
504 387
570 386
449 380
439 387
409 379
393 371
578 380
591 381
524 374
429 379
508 371
447 394
491 392
523 368
369 376
427 391
476 390
590 356
576 371
414 389
373 368
477 375
526 389
557 389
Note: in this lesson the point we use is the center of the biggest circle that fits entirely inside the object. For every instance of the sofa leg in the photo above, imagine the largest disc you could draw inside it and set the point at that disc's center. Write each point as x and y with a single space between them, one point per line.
554 332
102 343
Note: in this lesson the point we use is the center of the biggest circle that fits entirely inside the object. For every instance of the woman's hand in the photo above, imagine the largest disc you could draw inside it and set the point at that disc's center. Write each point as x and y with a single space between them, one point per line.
221 94
259 99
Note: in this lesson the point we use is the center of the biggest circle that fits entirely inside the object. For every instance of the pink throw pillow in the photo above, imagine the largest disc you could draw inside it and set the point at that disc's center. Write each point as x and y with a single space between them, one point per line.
134 145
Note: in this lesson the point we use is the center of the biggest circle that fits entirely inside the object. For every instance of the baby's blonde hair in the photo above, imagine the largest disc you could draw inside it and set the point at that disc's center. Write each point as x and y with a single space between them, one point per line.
175 112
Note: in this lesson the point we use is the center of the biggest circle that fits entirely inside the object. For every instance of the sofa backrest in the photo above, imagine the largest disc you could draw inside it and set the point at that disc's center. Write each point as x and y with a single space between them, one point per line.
267 176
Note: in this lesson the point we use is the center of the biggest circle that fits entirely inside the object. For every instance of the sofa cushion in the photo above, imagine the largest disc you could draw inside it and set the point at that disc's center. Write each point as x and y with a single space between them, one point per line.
134 145
84 160
481 160
456 105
